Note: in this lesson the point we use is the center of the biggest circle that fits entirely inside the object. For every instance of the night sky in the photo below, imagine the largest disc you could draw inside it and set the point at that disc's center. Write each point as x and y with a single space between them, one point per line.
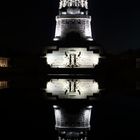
28 26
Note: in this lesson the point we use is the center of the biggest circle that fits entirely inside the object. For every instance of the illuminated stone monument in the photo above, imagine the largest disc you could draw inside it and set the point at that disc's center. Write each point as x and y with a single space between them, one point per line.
72 58
73 48
73 16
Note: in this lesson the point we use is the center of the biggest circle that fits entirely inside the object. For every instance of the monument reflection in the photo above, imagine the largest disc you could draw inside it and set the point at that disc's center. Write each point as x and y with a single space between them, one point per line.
72 88
73 101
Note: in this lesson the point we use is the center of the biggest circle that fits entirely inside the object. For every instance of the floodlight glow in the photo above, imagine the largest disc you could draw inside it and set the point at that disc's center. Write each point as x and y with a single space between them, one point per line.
88 28
58 116
56 39
3 62
55 106
89 107
3 84
87 116
90 39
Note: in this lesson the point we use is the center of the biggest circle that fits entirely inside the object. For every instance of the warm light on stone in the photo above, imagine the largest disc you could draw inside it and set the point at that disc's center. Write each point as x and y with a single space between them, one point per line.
3 62
3 84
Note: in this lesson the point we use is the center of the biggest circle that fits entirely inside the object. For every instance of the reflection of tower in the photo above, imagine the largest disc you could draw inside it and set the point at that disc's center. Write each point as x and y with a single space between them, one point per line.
72 123
73 16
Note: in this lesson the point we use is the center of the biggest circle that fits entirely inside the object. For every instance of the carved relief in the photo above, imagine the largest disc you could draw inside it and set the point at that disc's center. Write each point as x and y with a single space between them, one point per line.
73 3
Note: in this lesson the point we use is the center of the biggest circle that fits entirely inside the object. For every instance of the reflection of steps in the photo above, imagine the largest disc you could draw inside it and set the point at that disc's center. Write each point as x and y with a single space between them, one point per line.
72 88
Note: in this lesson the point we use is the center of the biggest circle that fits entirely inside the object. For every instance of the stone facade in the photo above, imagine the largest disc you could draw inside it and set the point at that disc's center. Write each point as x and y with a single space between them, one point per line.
73 3
67 119
65 25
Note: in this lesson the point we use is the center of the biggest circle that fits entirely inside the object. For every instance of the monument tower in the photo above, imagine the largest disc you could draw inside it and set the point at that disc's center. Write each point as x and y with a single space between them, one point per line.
73 17
74 46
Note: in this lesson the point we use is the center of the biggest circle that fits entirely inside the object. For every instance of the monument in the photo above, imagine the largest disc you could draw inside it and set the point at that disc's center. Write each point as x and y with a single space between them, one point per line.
73 48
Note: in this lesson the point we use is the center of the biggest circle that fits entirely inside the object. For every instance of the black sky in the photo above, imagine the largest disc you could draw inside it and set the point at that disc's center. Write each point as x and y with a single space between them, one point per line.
29 25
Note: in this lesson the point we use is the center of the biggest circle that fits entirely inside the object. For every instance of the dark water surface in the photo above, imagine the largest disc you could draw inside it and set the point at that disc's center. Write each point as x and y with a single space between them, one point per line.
26 110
